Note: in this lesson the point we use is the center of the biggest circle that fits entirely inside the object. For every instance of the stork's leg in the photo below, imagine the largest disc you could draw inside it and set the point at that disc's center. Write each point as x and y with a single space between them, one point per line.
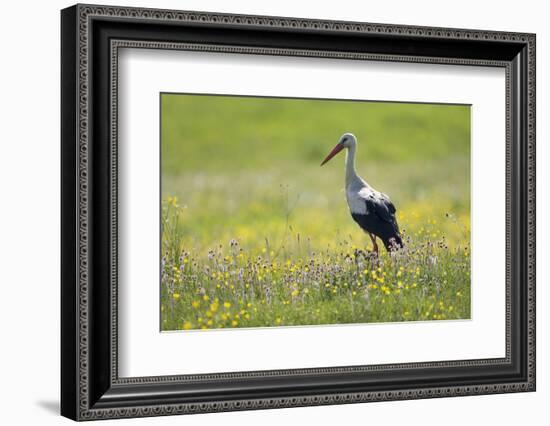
374 245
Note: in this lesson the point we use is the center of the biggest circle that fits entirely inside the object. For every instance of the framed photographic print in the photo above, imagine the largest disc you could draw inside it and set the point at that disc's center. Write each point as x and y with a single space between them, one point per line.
263 212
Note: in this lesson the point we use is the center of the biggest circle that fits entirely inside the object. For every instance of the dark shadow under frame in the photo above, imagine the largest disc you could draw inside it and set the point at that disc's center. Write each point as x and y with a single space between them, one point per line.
91 37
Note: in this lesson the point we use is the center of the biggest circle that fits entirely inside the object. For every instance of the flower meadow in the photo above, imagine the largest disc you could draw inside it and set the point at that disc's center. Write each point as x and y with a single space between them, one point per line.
230 286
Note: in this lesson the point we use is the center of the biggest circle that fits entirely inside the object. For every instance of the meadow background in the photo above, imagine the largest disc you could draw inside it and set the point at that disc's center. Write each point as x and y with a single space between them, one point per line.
255 233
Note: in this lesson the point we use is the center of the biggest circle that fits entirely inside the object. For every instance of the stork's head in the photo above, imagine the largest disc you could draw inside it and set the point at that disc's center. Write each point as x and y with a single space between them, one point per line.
347 140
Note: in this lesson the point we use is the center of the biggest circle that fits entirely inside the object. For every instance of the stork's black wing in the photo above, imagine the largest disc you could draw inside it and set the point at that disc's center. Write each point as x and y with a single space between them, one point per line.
381 205
380 219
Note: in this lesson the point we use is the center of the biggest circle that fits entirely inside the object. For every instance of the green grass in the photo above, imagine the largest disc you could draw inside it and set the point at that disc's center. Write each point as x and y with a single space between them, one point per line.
248 169
209 133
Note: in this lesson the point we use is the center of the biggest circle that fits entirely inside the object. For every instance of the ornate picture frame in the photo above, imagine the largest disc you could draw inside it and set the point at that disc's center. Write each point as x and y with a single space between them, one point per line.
91 37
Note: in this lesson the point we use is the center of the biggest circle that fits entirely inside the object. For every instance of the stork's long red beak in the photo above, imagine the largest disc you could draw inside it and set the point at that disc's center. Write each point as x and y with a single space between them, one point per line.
339 147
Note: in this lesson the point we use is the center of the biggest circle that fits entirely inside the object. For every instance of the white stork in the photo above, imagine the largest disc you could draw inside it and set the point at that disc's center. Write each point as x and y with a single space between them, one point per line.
372 210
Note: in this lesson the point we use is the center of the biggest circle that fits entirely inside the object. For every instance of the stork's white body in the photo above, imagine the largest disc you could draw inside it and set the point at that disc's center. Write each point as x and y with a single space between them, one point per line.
357 190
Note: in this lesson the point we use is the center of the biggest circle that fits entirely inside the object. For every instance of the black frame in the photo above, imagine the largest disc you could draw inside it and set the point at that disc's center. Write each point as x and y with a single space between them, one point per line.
91 37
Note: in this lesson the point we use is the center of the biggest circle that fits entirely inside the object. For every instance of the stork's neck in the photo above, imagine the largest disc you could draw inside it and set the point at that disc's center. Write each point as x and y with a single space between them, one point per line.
351 174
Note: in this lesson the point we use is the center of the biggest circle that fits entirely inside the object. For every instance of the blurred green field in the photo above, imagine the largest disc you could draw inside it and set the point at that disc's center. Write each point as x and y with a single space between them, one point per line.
247 169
